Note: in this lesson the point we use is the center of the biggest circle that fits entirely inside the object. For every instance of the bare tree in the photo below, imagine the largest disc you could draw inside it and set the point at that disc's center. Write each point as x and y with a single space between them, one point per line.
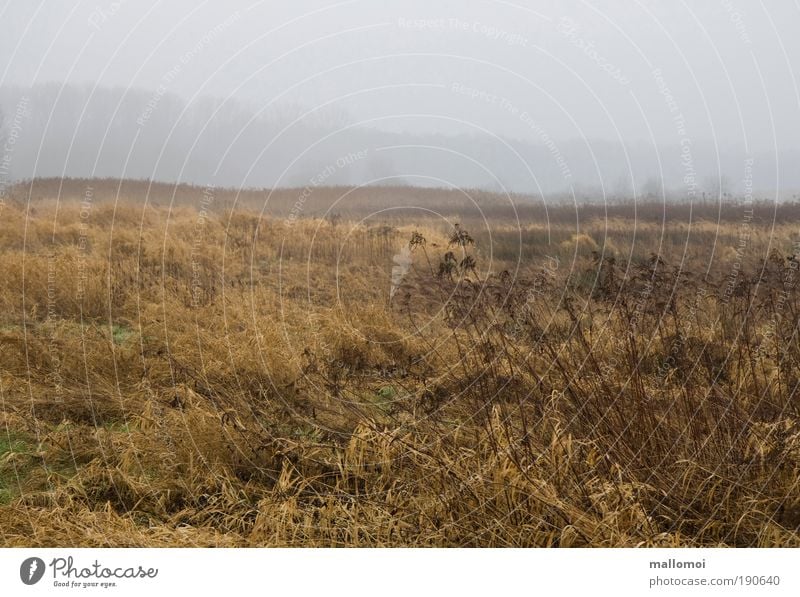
652 188
718 187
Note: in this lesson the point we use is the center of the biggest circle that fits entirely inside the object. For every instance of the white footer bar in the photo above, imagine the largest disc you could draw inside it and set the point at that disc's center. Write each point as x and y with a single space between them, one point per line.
386 572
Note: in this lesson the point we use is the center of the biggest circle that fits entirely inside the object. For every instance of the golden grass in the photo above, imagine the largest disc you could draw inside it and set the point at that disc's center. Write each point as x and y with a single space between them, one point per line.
177 377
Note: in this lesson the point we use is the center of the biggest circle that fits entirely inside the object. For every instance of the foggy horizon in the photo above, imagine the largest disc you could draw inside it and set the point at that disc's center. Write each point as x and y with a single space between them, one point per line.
556 98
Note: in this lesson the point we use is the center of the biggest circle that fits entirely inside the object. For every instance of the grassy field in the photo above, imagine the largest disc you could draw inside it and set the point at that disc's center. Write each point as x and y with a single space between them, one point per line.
183 366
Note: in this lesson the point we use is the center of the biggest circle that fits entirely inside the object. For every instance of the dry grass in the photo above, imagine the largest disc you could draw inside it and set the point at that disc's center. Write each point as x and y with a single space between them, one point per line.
177 377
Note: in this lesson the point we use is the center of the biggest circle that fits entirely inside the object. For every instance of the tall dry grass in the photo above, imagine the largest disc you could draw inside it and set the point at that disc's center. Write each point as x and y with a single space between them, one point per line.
171 376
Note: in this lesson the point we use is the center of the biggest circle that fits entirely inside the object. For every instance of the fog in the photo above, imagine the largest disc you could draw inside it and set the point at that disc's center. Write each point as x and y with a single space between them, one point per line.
592 100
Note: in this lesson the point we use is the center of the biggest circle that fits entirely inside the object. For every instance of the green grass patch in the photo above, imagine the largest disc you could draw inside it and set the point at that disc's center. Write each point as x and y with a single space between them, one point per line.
15 463
120 333
117 426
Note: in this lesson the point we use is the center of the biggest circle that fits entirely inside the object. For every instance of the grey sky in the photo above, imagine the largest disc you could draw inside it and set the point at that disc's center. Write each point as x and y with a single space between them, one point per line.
719 76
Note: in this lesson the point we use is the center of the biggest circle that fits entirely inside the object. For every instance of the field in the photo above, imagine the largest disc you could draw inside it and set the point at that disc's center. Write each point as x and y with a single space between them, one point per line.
183 366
